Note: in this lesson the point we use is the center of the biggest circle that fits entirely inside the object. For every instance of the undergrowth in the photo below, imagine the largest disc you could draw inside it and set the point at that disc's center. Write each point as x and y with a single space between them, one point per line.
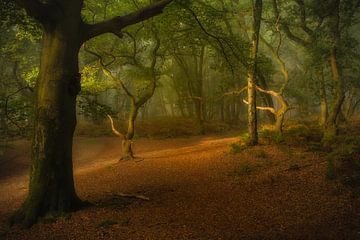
235 148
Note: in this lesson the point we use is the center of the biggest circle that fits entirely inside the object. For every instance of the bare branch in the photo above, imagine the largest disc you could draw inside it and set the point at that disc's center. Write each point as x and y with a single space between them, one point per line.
270 109
116 24
236 92
273 93
116 132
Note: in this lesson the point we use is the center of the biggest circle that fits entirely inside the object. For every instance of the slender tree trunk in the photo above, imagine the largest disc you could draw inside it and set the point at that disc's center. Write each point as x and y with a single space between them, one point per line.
349 104
127 153
51 189
222 110
331 127
323 98
280 114
252 114
3 122
127 142
198 91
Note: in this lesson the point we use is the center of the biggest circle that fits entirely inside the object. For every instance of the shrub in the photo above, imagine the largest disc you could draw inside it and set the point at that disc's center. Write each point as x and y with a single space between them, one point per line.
277 138
236 148
268 135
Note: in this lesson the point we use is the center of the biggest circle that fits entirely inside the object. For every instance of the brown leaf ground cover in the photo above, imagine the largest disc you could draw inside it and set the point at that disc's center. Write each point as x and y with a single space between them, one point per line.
196 188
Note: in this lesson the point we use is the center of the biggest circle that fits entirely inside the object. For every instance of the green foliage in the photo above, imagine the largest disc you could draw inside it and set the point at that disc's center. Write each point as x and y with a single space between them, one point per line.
345 148
19 116
278 138
270 136
245 137
30 77
92 109
91 83
235 148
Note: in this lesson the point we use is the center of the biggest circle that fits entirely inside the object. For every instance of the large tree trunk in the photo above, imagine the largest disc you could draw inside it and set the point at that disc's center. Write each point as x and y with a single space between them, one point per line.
51 189
252 115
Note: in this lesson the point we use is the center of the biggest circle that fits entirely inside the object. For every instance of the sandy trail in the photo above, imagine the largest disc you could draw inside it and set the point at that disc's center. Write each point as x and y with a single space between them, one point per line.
90 154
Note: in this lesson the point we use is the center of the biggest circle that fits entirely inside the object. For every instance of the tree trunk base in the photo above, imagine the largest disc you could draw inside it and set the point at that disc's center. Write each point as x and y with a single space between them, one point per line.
330 133
127 157
32 211
127 151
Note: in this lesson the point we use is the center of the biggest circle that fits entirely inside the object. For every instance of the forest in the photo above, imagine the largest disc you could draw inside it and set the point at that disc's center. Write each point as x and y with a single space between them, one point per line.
180 119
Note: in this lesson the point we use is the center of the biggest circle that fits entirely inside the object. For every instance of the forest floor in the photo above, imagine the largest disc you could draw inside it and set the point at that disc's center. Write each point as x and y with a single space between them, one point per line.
190 188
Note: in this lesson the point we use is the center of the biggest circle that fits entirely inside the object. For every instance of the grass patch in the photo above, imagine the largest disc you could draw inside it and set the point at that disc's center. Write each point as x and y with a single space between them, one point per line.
235 148
268 135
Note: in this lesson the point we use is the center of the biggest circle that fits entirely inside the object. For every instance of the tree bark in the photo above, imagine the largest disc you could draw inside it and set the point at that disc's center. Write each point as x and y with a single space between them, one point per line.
323 98
331 127
252 114
280 114
51 189
127 153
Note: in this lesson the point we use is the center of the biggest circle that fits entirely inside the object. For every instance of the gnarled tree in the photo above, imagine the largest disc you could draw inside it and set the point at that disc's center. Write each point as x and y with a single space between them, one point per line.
51 189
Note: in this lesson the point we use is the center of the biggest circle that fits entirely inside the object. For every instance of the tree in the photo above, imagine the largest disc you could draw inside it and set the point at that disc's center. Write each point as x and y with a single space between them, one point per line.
51 189
320 28
140 95
279 95
252 115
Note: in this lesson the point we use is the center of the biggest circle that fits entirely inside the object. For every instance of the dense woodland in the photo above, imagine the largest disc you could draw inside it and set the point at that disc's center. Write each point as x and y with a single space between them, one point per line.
270 72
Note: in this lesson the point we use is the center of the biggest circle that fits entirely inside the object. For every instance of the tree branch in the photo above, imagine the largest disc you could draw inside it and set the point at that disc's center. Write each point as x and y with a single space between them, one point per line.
116 24
304 26
108 73
116 132
286 28
270 109
273 93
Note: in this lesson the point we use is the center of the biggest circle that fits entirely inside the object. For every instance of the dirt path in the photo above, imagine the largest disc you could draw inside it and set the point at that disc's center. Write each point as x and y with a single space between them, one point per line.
197 190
